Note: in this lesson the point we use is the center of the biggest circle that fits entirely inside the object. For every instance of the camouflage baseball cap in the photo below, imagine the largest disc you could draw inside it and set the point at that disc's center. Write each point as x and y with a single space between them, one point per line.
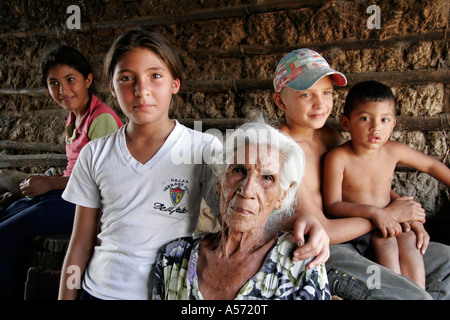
301 69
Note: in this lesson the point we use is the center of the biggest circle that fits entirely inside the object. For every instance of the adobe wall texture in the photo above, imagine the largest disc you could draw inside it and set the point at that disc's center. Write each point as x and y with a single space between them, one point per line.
230 50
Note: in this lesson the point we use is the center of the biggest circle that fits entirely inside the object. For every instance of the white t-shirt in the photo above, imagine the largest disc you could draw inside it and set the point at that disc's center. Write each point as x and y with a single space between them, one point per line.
143 205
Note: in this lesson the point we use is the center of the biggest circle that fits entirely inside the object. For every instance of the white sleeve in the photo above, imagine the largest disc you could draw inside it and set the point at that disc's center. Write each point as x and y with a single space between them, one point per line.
82 188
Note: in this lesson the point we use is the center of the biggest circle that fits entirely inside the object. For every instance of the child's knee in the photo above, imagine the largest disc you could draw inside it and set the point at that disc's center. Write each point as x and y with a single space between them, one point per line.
386 242
408 240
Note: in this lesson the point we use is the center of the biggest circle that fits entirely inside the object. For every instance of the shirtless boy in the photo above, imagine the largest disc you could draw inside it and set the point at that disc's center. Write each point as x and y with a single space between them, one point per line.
358 175
303 84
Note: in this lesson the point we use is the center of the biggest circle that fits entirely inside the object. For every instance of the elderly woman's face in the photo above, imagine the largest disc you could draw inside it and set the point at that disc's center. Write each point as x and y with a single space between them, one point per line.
249 191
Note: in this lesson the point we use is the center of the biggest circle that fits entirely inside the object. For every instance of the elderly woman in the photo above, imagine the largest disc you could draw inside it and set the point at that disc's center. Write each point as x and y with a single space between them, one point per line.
257 185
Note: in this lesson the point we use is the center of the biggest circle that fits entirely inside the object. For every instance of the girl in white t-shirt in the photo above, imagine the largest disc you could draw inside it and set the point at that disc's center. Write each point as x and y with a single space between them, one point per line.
132 192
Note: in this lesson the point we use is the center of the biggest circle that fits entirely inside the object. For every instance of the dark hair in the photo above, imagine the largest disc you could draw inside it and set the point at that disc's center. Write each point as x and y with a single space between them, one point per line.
142 38
367 91
63 54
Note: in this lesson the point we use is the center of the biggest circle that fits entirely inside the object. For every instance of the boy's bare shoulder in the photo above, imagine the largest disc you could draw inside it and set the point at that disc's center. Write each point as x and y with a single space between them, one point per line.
340 152
330 137
396 146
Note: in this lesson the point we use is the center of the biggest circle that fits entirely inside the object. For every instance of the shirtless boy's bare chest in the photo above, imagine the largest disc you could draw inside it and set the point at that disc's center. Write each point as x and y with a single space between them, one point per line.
314 153
368 182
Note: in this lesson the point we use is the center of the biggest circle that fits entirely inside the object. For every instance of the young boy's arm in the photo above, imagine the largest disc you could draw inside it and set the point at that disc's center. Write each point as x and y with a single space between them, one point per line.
421 162
333 199
338 230
405 209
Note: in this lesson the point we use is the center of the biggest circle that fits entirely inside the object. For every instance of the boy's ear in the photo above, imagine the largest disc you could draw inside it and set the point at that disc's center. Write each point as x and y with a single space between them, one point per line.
278 99
344 120
113 92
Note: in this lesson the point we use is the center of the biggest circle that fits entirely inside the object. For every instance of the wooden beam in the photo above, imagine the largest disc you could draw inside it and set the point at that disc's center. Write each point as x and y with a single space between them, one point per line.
261 6
437 123
246 50
400 78
23 92
31 146
412 77
226 85
343 44
212 13
406 123
33 160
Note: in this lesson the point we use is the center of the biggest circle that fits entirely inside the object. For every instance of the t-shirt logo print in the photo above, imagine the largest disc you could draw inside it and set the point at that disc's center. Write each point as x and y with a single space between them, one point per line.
176 194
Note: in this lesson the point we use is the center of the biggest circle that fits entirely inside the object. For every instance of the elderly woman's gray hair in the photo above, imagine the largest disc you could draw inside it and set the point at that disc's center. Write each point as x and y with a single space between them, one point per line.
292 159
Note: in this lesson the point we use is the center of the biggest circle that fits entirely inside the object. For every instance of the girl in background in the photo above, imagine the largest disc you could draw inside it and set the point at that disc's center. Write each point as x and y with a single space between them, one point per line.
68 77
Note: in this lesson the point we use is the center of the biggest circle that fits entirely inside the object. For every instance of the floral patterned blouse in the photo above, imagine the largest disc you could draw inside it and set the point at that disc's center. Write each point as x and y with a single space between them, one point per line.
279 277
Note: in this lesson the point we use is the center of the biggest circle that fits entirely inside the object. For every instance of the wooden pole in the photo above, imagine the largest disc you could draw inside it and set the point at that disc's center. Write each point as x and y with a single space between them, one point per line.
393 78
261 6
412 77
406 123
33 160
343 44
31 146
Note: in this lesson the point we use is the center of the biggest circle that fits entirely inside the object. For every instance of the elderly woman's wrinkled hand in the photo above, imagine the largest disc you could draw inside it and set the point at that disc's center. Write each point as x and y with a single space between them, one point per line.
317 244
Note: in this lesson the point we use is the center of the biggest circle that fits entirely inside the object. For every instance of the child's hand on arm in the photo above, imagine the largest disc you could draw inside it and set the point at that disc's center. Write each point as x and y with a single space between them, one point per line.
312 239
317 244
384 222
404 209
